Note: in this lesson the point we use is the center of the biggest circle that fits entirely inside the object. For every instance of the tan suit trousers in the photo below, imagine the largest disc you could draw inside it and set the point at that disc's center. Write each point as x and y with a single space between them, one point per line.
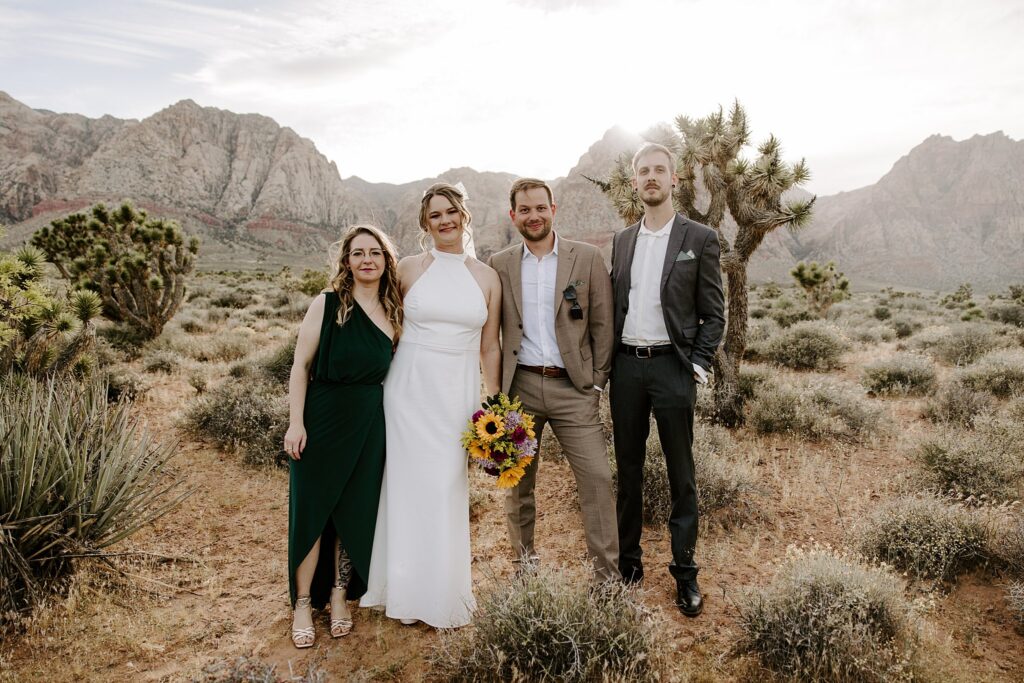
575 419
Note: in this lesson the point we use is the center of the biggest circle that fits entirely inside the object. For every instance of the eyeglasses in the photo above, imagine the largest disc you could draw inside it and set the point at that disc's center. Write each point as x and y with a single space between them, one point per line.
576 311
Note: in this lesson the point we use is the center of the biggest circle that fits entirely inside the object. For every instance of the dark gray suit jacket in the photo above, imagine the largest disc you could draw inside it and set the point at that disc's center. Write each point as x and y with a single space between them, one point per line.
691 288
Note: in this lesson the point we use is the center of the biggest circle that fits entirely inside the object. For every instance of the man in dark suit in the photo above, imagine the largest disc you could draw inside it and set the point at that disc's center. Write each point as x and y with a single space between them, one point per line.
669 318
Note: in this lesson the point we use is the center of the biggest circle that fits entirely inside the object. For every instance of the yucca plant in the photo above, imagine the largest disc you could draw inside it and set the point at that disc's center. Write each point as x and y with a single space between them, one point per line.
77 475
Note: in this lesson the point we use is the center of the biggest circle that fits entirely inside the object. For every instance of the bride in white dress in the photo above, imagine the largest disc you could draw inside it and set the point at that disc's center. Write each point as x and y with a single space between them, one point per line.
420 565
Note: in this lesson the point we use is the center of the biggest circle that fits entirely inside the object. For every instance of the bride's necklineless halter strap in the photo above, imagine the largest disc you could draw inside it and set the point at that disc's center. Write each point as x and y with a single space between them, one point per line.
447 255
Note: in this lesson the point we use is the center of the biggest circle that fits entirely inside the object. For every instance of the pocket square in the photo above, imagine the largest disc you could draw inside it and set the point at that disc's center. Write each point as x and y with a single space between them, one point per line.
685 255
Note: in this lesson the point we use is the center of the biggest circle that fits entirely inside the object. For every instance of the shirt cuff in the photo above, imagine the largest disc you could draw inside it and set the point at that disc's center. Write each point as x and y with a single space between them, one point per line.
599 389
702 374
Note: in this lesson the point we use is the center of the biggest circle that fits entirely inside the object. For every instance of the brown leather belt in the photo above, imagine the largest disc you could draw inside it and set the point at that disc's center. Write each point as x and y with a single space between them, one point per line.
545 370
645 351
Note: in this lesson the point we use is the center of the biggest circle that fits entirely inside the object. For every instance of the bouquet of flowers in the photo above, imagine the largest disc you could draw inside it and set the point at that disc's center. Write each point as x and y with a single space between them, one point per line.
500 439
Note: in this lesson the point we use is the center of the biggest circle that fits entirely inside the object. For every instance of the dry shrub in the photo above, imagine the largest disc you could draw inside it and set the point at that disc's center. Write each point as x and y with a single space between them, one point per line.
830 617
903 374
123 385
1008 548
1015 601
955 404
541 626
724 478
929 537
817 409
806 346
961 344
231 299
1007 313
751 379
191 325
904 327
985 464
248 415
221 349
166 362
252 670
1000 373
759 333
873 334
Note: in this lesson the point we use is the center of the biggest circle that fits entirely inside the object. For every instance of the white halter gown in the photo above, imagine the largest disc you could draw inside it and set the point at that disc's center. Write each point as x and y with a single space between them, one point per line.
420 566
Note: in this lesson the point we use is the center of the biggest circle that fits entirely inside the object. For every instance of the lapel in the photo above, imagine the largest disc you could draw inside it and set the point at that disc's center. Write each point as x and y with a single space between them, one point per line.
625 275
675 243
515 277
566 258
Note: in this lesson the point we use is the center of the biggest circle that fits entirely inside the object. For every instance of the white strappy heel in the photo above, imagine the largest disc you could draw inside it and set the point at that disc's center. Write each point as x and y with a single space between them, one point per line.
339 627
303 637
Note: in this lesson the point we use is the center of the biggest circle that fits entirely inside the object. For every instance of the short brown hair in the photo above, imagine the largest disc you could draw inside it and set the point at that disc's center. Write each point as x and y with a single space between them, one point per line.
648 147
524 184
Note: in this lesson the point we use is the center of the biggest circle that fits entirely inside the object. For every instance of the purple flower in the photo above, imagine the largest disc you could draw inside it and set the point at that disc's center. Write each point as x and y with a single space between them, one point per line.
518 435
529 447
477 415
498 457
512 420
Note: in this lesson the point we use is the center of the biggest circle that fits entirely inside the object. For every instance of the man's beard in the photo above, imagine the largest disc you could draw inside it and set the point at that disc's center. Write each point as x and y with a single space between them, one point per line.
657 200
545 231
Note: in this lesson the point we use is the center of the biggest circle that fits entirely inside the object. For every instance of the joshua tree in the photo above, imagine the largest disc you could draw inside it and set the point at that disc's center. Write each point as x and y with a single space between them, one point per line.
822 284
34 324
751 192
136 265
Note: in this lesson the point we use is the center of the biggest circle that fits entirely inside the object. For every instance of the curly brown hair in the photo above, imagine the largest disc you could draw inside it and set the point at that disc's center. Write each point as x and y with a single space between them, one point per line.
342 282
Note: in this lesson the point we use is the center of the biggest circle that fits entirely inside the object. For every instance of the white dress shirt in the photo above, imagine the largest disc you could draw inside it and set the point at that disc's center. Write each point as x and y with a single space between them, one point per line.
645 319
539 347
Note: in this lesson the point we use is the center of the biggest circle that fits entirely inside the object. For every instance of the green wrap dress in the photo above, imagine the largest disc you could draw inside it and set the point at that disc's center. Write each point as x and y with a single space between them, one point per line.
335 486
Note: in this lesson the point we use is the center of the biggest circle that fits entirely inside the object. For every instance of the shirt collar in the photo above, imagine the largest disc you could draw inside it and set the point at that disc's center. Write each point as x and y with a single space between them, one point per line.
528 253
665 229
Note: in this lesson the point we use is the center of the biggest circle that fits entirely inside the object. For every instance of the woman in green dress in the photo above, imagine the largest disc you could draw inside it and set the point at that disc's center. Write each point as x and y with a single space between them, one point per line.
336 433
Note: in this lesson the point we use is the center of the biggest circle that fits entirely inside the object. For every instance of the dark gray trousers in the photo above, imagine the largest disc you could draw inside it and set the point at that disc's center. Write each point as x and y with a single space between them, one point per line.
664 385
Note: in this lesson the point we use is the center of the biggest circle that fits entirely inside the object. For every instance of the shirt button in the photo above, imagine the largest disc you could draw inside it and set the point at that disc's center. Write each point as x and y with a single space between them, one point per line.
514 352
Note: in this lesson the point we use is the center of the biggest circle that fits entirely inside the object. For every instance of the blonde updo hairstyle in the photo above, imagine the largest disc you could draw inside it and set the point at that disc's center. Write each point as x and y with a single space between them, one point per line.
343 282
452 194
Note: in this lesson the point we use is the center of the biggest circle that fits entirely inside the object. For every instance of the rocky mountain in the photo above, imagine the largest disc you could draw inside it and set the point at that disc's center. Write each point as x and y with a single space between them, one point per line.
260 195
947 212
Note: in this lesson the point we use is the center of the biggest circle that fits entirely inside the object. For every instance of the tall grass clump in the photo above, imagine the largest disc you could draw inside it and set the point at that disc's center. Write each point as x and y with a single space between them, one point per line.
830 617
806 346
962 344
249 416
903 374
926 536
1008 548
542 626
277 366
819 409
77 475
1001 373
986 464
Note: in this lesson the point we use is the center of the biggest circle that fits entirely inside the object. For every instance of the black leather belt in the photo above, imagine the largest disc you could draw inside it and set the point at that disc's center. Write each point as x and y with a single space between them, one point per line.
645 351
545 370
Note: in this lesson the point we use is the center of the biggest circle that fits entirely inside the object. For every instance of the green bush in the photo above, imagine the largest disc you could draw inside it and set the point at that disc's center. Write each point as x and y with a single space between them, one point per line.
278 365
248 415
541 626
1007 313
77 474
829 617
928 537
1000 373
806 346
751 379
882 313
987 463
902 374
815 409
161 361
904 327
956 404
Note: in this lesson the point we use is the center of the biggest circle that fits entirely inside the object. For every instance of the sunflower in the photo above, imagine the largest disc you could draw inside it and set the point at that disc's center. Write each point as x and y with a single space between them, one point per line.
510 477
490 427
479 452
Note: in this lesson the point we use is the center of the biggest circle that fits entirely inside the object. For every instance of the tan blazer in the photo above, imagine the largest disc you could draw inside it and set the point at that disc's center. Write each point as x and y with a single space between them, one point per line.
585 345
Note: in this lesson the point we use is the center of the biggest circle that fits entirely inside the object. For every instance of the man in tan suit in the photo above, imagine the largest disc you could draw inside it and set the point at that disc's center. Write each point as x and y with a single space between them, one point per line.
557 326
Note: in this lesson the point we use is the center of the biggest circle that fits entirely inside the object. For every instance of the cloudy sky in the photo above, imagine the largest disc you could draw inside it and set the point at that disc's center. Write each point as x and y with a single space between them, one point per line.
396 90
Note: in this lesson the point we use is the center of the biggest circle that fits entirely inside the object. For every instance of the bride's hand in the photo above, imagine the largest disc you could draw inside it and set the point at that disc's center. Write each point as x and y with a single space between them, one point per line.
295 441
